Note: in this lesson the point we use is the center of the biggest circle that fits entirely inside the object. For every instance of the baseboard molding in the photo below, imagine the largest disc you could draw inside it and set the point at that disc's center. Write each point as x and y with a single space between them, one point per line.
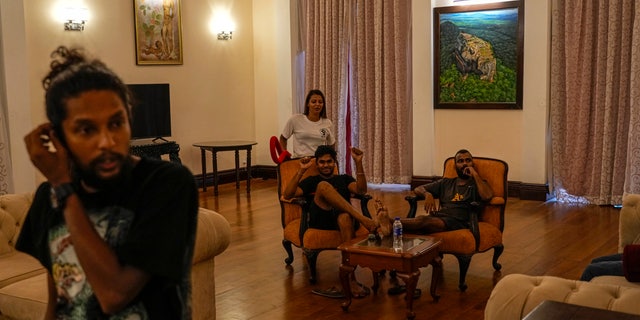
524 191
229 176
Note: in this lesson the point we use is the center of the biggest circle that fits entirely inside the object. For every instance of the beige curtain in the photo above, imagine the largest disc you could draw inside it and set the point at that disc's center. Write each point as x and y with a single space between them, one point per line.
382 88
358 52
594 104
326 39
632 181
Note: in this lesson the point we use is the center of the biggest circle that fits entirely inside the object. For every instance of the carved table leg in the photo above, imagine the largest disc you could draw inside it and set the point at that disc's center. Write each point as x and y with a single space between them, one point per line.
376 281
436 263
203 157
237 154
345 271
248 168
410 281
214 162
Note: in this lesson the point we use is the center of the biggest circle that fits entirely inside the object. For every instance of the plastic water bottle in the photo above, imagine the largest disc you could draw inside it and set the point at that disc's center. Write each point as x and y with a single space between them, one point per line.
397 234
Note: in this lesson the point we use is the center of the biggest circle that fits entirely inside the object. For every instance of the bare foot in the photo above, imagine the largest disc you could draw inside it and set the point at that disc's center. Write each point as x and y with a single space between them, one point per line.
370 224
383 218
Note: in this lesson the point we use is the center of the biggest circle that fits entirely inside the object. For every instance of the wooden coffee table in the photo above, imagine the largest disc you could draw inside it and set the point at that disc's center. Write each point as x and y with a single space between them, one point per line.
378 255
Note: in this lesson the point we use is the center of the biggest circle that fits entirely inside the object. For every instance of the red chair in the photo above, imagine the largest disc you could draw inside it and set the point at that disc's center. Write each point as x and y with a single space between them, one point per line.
278 155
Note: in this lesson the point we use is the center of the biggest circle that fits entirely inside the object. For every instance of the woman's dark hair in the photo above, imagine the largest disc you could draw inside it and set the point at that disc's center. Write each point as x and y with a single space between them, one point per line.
72 74
323 113
324 149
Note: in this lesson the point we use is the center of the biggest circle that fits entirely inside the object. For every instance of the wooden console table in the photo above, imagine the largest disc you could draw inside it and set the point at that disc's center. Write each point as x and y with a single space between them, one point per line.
152 149
216 146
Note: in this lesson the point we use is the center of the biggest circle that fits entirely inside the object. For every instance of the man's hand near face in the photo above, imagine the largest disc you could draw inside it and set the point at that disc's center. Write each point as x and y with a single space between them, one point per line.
40 144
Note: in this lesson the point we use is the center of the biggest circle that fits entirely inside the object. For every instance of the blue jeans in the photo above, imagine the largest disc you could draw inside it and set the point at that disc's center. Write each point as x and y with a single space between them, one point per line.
610 265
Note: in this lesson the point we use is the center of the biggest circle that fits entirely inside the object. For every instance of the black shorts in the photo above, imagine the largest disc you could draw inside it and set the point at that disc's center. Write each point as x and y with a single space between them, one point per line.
322 219
451 222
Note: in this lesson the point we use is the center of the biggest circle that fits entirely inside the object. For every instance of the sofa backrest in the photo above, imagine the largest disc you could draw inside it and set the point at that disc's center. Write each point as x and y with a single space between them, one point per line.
13 210
629 222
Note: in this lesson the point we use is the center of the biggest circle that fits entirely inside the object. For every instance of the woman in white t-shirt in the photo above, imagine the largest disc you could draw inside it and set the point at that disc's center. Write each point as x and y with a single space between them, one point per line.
310 129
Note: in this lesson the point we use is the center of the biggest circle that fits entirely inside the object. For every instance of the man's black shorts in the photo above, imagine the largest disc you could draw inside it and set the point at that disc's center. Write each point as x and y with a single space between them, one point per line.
451 222
322 219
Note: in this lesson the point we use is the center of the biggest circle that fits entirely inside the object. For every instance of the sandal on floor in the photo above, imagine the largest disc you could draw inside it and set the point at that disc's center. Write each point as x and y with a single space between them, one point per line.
400 289
396 290
364 291
332 292
417 293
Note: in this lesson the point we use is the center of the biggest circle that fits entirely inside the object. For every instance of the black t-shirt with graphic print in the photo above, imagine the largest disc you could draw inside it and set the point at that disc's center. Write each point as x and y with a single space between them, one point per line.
149 222
455 200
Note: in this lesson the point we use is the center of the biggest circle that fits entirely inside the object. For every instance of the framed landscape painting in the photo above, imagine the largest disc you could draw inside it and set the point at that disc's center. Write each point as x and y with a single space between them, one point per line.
478 56
158 32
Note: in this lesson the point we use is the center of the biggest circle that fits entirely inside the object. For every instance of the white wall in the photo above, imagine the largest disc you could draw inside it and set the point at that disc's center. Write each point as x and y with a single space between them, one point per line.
241 89
212 93
272 61
516 136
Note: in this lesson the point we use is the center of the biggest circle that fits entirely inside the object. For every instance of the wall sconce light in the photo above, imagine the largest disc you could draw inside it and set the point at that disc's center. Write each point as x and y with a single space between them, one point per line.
225 35
75 18
222 25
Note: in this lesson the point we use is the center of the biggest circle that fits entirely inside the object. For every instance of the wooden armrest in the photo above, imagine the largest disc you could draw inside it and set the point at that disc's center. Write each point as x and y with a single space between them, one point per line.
413 204
498 201
361 196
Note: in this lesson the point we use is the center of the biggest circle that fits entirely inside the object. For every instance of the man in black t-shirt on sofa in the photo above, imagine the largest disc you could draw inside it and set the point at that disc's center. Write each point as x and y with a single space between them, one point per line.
116 232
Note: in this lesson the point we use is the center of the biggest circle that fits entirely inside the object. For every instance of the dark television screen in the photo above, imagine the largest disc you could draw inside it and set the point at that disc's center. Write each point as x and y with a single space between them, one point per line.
151 110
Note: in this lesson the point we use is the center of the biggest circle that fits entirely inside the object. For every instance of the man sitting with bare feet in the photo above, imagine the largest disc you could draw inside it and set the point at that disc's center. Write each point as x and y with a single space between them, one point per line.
329 194
457 196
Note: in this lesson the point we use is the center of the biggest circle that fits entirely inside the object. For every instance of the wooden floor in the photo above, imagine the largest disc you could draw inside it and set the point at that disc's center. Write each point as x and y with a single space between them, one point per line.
253 282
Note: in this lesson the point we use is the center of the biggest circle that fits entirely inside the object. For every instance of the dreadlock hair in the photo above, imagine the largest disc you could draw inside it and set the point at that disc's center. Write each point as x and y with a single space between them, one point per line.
73 73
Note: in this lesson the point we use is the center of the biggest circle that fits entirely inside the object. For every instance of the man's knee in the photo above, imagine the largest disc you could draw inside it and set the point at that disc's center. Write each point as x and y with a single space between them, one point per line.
433 224
345 220
324 186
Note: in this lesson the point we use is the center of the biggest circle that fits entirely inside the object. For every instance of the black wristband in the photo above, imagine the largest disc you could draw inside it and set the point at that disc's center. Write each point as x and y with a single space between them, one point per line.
60 193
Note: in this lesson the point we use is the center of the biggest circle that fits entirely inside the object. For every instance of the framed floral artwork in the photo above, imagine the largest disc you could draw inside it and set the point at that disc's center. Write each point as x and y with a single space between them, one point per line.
478 56
158 32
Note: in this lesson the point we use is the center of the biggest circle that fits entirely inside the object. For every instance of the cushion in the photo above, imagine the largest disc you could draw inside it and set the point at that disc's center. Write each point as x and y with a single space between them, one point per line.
631 262
629 222
13 210
26 299
17 266
615 280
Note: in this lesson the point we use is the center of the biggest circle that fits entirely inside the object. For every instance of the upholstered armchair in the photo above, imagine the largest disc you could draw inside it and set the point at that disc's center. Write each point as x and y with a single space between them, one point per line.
295 220
487 223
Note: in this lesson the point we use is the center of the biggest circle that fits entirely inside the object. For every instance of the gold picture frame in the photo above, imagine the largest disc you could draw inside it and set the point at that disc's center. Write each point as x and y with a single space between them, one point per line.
478 56
158 32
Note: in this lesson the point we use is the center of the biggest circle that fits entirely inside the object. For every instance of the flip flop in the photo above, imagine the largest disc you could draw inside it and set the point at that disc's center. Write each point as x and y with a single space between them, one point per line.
365 291
400 289
417 293
332 292
396 290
